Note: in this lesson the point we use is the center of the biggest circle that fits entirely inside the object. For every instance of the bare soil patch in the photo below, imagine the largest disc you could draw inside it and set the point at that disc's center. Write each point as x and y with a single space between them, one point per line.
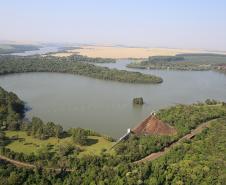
127 52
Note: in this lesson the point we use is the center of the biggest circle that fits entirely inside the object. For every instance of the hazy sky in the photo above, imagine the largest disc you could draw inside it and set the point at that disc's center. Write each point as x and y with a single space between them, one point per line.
155 23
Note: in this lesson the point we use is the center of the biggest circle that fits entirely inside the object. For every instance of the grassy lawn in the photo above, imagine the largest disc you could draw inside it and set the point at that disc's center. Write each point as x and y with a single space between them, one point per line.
97 146
29 144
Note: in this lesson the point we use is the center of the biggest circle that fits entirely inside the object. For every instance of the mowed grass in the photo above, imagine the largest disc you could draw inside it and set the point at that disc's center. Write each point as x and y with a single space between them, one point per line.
100 143
28 144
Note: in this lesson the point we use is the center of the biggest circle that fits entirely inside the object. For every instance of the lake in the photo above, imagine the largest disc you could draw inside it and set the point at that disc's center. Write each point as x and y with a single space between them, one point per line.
105 106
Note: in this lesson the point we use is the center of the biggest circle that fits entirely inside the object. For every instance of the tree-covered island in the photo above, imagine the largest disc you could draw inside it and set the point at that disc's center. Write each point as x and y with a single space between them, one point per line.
72 65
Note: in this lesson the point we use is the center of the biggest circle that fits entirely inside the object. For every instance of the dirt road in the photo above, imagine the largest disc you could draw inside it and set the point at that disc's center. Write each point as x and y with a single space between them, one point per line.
150 157
20 164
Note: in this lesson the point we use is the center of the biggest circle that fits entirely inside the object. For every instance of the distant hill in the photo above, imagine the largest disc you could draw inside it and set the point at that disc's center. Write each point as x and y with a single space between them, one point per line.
16 48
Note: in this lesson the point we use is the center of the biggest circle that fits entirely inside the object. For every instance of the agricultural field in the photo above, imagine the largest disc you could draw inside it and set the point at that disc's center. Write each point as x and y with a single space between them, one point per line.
127 52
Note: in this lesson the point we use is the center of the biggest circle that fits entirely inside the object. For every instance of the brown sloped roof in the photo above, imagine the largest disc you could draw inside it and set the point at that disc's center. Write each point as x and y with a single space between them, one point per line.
152 125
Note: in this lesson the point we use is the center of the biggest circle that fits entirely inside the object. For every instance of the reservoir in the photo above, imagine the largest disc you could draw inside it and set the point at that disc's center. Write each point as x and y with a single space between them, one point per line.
106 106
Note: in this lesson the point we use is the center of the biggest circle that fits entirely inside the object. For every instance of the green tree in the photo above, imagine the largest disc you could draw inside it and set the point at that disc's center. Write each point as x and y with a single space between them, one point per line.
14 178
79 136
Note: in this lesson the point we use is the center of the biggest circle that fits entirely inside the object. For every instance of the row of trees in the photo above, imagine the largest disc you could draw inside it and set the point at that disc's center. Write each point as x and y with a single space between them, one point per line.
38 129
81 58
80 136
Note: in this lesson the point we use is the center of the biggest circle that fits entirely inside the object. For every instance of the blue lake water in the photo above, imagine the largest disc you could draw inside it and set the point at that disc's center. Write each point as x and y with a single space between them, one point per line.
105 106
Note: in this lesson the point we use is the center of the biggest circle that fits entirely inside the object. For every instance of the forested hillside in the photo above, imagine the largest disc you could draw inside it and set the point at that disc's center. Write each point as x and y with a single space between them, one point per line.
11 110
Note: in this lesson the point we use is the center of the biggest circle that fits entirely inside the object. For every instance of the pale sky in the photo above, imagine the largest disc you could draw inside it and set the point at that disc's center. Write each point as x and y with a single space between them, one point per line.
154 23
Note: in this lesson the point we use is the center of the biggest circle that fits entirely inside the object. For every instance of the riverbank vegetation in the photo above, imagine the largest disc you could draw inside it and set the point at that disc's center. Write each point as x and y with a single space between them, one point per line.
72 65
198 62
91 159
80 58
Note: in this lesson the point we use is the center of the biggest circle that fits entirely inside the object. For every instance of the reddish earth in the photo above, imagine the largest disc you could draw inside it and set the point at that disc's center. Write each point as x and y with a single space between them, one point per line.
152 125
189 136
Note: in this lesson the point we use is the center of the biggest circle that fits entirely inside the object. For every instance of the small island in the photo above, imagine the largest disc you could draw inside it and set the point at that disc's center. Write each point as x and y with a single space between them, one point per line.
138 101
77 65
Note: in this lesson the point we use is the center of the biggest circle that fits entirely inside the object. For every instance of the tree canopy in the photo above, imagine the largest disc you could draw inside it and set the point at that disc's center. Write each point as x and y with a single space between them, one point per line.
72 65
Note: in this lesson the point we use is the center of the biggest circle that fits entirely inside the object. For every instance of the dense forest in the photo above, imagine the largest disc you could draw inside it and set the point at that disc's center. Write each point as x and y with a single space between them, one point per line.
198 62
81 58
74 65
197 161
11 110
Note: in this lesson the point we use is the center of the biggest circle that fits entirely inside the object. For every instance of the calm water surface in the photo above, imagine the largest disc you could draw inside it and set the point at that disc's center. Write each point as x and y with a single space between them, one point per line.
105 106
